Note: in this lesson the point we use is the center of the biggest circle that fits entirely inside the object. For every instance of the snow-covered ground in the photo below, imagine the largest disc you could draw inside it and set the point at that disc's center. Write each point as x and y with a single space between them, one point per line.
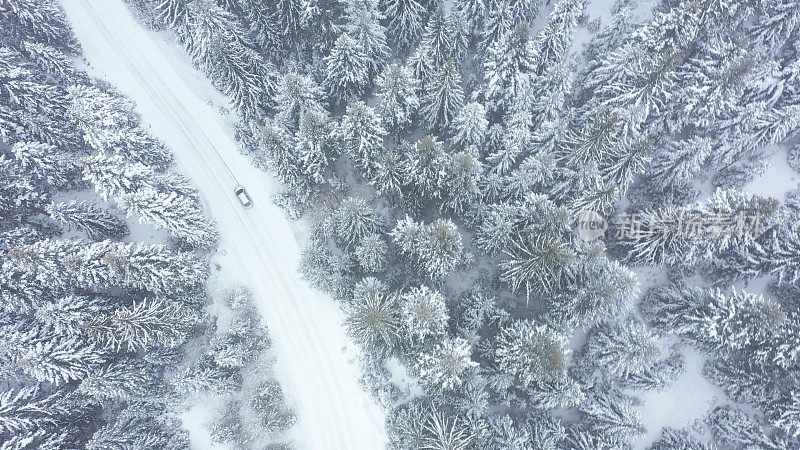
778 178
257 246
687 399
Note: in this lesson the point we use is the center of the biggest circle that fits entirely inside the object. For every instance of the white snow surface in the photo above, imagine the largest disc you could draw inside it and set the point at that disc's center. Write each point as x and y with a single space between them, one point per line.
257 247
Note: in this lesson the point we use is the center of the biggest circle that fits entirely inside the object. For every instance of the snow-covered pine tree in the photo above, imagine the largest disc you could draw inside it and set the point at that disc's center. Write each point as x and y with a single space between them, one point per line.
423 313
397 94
296 94
447 365
316 146
363 135
443 97
347 74
373 319
353 220
508 59
364 25
436 247
470 126
533 353
87 218
406 20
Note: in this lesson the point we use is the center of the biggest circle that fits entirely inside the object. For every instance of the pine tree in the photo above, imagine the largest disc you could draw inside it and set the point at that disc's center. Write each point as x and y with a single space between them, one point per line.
323 19
438 43
43 163
470 126
406 20
742 323
150 322
179 215
54 361
735 429
397 92
508 59
353 220
347 75
372 253
423 313
107 125
88 218
446 365
315 145
106 264
473 12
172 12
28 409
364 26
444 97
288 15
388 176
437 247
623 349
553 41
243 75
40 21
532 353
441 433
363 136
374 319
296 94
462 186
613 414
424 167
270 406
672 438
538 263
499 21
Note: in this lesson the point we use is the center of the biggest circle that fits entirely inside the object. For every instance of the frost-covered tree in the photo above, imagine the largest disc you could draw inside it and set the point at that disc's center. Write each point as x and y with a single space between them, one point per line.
437 247
533 353
740 323
623 349
423 313
144 324
442 432
611 413
178 214
296 94
508 59
552 42
316 146
397 92
374 319
347 74
443 97
38 21
363 135
535 263
406 20
363 24
372 253
354 220
446 366
470 125
107 124
87 218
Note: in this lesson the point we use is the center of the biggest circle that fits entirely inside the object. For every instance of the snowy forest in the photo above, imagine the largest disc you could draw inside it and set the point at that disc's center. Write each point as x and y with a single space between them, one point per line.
536 216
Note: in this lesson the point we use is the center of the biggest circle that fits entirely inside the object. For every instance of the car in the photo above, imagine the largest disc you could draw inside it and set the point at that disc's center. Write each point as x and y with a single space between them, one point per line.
243 196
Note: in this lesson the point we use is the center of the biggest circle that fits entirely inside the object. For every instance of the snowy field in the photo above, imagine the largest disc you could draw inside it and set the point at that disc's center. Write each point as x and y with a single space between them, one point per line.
258 247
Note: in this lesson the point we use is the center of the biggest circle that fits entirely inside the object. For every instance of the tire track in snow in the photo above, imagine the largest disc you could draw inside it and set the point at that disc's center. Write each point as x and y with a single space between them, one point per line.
333 411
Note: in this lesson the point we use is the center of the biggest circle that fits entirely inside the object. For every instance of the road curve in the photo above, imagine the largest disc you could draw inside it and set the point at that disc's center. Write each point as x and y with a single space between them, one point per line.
257 245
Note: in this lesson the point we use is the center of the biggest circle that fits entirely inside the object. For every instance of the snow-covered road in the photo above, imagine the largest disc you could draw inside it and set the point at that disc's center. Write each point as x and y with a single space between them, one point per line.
257 246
